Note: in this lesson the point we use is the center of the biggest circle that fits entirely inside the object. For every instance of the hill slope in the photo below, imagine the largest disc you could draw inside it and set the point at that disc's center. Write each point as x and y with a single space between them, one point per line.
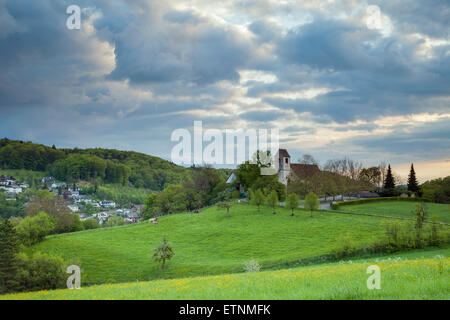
400 208
110 165
423 278
209 242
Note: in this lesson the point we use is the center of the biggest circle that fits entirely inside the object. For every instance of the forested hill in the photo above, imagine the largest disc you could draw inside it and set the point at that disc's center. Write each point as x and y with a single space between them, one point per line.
106 165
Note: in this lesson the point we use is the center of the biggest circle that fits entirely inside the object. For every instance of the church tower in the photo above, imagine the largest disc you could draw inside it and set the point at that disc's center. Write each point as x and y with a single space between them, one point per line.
283 165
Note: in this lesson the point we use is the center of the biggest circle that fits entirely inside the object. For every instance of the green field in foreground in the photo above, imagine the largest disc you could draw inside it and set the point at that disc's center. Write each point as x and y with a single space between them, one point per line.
208 243
400 208
425 277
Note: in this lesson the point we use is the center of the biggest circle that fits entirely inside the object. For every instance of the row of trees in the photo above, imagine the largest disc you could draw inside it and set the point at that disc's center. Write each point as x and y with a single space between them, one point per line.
390 182
292 202
347 176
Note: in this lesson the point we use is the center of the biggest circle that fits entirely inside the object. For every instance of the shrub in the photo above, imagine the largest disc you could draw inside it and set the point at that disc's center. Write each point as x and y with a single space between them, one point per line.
32 230
90 224
252 266
40 272
346 248
398 237
235 194
114 221
437 235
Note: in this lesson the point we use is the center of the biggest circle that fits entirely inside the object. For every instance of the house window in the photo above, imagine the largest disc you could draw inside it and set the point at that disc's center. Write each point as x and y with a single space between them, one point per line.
286 160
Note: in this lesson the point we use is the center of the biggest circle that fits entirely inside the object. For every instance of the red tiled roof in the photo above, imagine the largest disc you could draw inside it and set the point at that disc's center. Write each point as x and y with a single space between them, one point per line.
304 171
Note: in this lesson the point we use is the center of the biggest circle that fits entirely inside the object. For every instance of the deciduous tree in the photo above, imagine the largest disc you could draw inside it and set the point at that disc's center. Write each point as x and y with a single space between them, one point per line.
163 252
292 202
273 201
258 198
311 202
225 205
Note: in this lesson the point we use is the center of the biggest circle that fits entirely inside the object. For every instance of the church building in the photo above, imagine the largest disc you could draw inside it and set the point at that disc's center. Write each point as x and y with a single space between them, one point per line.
288 171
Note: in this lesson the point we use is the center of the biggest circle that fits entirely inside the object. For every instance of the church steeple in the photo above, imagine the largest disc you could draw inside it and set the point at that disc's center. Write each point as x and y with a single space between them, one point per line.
284 165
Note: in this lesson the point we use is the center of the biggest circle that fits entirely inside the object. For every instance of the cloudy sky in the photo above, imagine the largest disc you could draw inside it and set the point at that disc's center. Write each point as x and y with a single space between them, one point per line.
333 82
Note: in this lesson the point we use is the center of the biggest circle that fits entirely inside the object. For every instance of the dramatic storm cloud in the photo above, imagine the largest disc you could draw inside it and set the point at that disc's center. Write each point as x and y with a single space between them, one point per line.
333 84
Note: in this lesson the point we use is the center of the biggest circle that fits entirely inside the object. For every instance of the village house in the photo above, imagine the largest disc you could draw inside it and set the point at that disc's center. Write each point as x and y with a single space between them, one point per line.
108 204
137 208
7 181
132 217
81 198
67 195
11 189
57 185
48 180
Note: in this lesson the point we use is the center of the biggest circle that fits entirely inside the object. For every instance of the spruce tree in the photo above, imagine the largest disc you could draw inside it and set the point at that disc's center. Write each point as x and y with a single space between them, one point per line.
9 247
389 182
413 186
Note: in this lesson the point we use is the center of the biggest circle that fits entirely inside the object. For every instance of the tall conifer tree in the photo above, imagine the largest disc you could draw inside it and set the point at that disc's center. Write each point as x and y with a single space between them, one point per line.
9 247
389 182
413 186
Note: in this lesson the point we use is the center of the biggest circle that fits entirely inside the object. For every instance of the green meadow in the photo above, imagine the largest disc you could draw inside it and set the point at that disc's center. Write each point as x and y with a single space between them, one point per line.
420 275
400 208
209 243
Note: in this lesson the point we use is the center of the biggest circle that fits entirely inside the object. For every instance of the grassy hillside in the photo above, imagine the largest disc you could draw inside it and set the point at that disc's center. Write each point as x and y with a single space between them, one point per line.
22 174
209 242
424 278
400 208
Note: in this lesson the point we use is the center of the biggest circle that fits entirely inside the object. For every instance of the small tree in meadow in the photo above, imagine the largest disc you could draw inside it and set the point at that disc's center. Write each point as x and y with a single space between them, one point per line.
292 202
311 202
421 213
163 252
272 200
225 205
258 198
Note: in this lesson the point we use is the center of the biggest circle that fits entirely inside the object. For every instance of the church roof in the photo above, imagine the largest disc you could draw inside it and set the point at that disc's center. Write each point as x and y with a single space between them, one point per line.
304 171
283 153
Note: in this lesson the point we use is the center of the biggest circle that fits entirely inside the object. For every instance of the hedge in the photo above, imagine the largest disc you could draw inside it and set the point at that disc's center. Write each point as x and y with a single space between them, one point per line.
336 205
